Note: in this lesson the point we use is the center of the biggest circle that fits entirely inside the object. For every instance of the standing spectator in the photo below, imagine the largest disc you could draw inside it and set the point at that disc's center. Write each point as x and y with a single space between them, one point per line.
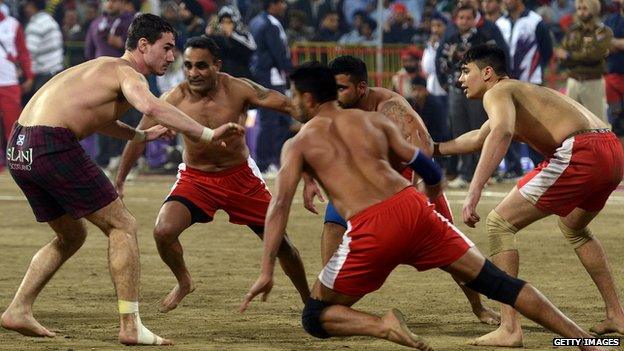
269 64
14 60
96 42
437 96
74 36
492 10
329 29
236 43
192 18
584 51
44 41
298 30
402 80
530 50
560 9
465 115
615 78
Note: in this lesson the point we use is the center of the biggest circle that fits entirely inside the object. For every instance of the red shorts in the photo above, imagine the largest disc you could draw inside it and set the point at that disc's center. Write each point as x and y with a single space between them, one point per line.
441 203
614 85
403 229
239 191
582 173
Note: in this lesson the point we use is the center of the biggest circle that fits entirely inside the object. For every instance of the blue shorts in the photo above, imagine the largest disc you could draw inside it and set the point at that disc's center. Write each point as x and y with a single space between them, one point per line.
332 216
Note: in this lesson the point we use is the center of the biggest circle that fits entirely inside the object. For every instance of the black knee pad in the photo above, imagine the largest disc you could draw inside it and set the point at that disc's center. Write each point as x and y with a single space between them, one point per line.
310 318
496 284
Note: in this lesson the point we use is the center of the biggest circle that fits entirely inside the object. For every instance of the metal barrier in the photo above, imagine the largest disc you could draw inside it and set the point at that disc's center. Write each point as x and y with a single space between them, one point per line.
325 52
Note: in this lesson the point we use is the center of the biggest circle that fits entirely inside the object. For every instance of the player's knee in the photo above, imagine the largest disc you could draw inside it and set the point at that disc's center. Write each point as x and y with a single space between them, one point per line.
576 237
311 318
496 284
501 233
165 232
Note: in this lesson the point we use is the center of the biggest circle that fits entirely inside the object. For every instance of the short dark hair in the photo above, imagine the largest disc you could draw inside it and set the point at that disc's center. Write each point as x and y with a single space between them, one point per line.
316 79
148 26
351 66
204 42
267 3
487 55
464 7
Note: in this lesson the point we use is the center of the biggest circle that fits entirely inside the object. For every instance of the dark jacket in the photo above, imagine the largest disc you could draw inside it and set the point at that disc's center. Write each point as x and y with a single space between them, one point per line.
588 48
272 49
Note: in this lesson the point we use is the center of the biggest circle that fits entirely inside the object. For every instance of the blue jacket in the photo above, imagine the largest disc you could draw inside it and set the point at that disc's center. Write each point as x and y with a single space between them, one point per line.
272 49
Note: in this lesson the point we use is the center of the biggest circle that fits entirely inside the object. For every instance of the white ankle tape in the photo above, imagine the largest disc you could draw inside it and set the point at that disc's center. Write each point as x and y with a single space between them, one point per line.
145 336
128 306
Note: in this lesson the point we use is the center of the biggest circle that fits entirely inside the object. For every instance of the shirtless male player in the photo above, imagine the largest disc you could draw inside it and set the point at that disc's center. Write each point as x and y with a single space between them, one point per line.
390 222
353 92
584 164
212 177
63 185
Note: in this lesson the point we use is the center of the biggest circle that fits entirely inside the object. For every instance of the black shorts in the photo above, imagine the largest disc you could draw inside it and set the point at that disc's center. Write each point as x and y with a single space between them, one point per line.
55 173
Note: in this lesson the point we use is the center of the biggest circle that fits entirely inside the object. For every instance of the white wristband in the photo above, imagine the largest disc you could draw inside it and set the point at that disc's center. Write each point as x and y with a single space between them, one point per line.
206 135
139 136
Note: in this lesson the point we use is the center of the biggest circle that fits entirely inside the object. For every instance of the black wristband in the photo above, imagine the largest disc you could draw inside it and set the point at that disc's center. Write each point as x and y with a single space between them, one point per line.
436 149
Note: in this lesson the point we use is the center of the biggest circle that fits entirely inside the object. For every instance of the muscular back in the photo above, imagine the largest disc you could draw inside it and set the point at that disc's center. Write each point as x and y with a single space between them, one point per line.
348 154
544 117
82 98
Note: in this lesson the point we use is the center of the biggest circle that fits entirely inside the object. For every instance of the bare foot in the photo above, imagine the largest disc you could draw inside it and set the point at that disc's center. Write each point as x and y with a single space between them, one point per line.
500 337
487 316
400 333
133 332
176 295
24 323
608 326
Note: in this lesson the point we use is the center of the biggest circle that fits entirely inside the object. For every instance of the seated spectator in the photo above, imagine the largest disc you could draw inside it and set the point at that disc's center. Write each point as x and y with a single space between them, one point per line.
329 28
400 26
365 34
298 30
353 36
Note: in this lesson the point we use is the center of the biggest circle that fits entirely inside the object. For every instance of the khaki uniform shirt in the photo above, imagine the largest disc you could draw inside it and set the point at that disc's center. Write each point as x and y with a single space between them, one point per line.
588 47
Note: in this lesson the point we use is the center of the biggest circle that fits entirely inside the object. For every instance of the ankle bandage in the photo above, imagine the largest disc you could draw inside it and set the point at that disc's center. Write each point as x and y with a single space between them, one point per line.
144 335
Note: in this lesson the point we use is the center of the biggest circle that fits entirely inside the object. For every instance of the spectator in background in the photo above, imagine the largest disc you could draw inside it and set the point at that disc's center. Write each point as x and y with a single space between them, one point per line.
329 29
15 65
353 36
192 19
437 96
560 9
96 42
350 7
530 51
74 36
465 115
615 78
315 10
366 34
492 10
298 30
44 41
269 65
236 43
583 53
402 80
400 26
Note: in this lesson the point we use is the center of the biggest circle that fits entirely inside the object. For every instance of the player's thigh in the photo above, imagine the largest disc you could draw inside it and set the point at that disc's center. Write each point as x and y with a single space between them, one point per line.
578 218
323 293
519 211
115 215
173 218
330 240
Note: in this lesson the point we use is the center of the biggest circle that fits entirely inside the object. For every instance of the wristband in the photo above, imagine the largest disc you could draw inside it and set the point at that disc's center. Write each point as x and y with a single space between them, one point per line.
139 136
206 135
430 173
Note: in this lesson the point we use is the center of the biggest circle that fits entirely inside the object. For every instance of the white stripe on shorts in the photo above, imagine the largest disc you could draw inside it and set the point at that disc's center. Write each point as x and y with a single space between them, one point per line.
541 182
256 171
330 272
181 167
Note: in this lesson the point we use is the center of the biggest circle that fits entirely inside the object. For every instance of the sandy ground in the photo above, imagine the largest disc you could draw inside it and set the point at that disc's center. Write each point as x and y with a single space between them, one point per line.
79 302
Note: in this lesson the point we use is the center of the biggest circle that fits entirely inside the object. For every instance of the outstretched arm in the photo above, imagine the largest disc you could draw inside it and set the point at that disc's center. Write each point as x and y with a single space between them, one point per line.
277 218
465 143
502 114
409 123
134 87
260 96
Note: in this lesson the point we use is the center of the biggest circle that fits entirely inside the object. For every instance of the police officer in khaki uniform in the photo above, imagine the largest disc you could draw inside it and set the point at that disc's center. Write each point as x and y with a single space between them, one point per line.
584 51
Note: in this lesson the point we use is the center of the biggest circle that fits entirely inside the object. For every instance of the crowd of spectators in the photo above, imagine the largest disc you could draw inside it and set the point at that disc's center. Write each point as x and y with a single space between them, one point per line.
40 38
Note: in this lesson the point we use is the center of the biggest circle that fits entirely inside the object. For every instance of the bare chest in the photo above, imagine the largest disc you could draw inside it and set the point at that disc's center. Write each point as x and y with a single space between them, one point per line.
214 113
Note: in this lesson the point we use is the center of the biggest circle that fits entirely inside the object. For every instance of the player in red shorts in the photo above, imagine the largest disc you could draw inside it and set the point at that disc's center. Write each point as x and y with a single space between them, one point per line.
212 177
584 164
63 185
390 222
353 92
